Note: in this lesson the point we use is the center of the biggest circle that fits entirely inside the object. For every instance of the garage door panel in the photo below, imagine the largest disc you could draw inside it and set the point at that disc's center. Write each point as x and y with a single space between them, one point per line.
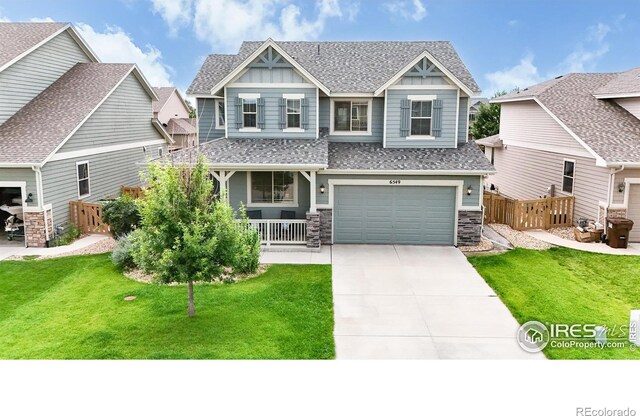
394 214
633 212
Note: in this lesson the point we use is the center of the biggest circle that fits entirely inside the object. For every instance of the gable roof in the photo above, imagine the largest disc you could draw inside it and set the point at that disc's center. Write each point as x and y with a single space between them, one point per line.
19 39
343 67
624 84
181 126
163 94
42 126
603 127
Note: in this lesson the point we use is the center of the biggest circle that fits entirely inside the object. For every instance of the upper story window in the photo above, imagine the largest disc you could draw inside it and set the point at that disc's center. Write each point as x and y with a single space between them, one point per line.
568 176
351 117
220 114
84 189
250 112
421 118
273 188
293 113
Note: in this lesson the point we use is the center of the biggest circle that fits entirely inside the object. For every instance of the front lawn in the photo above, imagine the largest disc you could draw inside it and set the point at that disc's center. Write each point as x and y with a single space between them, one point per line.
73 308
560 285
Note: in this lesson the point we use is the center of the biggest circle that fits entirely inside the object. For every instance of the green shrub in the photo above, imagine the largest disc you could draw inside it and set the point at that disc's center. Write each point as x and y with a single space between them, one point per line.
68 236
121 255
122 215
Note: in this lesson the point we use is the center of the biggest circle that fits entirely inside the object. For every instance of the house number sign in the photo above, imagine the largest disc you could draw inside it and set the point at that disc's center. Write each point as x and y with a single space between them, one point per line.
395 182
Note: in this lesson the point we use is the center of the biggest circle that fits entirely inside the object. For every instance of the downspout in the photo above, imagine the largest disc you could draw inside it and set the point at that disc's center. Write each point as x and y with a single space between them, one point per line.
39 187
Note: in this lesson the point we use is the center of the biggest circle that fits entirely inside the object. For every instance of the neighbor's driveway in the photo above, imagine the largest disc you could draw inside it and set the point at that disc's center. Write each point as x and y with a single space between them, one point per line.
417 302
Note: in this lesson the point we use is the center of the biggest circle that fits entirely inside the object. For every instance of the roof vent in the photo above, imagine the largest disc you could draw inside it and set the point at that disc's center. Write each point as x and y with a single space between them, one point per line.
318 49
559 76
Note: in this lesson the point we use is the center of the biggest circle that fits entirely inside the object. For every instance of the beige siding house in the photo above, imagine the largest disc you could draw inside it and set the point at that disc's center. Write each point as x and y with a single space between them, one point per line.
578 135
173 114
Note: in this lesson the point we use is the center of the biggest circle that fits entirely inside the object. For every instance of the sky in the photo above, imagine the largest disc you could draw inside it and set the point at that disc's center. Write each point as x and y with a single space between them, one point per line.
504 43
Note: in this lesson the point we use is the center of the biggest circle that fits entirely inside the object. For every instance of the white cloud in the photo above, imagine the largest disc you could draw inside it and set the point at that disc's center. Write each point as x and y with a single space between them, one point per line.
226 23
586 54
116 46
513 23
522 75
41 20
407 9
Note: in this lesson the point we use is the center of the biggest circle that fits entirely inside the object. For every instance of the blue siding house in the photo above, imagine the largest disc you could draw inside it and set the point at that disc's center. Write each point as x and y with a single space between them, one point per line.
350 142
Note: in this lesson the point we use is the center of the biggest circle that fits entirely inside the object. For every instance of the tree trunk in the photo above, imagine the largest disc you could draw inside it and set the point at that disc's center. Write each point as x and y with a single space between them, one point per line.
192 308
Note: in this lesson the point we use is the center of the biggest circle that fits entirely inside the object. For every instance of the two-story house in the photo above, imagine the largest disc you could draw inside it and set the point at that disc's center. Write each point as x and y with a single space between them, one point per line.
577 134
366 141
173 114
71 128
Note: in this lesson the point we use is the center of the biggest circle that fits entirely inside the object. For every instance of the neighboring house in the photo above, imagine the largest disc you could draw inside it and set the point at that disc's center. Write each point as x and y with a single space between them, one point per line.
367 141
577 134
476 102
70 127
172 112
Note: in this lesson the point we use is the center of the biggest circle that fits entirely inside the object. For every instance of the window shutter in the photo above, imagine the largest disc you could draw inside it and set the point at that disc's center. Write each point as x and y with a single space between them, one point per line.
260 110
283 114
436 122
304 110
238 113
405 117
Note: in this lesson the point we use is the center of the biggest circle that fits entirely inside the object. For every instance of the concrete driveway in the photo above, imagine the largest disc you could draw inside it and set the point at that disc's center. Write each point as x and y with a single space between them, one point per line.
417 302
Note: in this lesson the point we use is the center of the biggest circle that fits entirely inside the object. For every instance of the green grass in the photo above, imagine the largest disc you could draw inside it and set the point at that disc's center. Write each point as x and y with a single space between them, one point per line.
567 286
73 308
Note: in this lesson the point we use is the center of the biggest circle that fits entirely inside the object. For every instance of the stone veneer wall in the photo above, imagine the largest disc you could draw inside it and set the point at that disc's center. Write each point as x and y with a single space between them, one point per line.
36 235
469 228
313 230
326 218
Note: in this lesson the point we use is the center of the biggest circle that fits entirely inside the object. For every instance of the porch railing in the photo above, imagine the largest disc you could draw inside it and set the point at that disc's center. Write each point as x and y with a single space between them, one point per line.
281 231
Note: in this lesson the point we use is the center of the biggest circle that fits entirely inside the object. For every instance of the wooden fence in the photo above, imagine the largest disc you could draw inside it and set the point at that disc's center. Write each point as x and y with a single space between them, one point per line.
544 213
133 191
87 217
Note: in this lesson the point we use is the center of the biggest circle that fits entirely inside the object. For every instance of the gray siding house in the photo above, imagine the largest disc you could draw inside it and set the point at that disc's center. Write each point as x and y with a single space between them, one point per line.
365 141
71 128
578 134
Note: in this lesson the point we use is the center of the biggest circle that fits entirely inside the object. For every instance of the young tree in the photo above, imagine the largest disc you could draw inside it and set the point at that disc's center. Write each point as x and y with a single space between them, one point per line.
487 121
186 234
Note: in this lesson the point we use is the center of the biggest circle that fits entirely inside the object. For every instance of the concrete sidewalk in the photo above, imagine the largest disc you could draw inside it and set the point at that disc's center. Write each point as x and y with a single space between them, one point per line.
81 243
632 250
294 255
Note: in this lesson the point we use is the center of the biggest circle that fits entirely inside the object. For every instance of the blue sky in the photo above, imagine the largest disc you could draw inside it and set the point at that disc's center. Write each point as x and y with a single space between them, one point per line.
505 43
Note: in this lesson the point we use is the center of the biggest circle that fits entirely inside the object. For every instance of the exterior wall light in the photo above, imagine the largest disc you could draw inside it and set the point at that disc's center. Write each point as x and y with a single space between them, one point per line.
621 187
322 188
29 198
469 190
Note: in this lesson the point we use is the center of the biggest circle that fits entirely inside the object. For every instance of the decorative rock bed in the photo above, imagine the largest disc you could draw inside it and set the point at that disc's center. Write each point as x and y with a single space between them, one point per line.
518 238
485 245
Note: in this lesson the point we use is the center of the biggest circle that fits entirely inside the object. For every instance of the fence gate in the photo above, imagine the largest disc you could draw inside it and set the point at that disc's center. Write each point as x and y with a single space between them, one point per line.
87 217
543 213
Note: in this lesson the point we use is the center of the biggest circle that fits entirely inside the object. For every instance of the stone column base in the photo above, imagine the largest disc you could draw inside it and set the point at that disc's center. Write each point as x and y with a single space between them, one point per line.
469 228
313 230
35 228
326 219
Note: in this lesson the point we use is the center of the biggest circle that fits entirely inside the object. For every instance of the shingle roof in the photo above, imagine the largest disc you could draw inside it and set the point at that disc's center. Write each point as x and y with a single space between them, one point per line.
163 94
490 141
17 38
181 126
372 156
341 66
38 128
608 129
624 83
226 152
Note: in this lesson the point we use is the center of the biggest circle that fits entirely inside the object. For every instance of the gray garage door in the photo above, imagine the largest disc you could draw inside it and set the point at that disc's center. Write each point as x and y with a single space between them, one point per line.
394 214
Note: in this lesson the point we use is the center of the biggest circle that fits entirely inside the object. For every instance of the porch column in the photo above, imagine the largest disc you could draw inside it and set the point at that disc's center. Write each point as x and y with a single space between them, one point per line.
312 193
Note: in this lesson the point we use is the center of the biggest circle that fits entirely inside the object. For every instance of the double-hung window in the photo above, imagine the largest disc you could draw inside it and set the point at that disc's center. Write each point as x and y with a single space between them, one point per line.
421 118
293 113
249 112
82 170
351 116
568 176
220 114
272 188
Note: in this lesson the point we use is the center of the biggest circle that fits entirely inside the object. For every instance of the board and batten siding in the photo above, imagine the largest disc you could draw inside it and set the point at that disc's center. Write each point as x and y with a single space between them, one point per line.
433 80
526 124
271 76
463 120
22 175
377 120
632 105
472 200
447 138
107 173
206 110
32 74
524 173
271 97
125 117
238 195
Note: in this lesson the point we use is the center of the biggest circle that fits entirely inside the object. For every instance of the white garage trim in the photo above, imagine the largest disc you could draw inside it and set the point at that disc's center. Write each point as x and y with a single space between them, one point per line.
627 189
459 185
23 195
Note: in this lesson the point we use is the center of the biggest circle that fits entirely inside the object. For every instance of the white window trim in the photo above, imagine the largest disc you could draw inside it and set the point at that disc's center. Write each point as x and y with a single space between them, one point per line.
293 129
573 179
293 204
332 130
248 96
412 98
80 197
216 102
